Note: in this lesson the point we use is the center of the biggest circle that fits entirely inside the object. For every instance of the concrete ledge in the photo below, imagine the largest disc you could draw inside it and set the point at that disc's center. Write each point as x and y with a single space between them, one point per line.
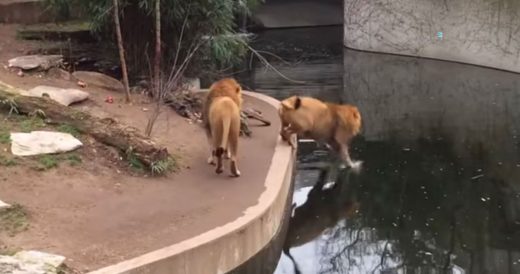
224 248
298 14
24 12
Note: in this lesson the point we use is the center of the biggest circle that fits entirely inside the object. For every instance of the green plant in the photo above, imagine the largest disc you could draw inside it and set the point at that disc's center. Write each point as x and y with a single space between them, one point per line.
69 129
163 166
133 161
13 220
61 8
7 161
30 124
5 137
184 23
74 159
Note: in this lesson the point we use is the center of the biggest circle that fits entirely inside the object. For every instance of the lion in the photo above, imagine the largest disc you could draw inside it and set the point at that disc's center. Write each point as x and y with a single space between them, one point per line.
334 124
221 121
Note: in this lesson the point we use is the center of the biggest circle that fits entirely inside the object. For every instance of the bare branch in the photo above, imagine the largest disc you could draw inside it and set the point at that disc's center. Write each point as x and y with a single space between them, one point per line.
269 66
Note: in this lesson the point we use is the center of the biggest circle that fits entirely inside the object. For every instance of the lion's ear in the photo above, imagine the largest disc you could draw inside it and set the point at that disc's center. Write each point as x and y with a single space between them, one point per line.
287 105
297 103
238 90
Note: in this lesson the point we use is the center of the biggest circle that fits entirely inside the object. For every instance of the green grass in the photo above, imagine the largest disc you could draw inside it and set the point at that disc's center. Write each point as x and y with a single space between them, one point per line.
5 137
47 162
13 220
31 124
4 161
74 159
69 129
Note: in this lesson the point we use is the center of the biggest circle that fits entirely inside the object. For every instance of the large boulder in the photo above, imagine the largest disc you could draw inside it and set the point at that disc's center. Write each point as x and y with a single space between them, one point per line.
59 73
98 79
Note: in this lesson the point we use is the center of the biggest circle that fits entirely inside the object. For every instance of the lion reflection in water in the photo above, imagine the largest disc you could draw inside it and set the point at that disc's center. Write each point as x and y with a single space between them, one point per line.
323 209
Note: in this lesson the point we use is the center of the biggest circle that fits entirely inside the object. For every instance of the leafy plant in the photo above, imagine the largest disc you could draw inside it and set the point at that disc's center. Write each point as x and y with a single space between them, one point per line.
184 24
133 161
164 166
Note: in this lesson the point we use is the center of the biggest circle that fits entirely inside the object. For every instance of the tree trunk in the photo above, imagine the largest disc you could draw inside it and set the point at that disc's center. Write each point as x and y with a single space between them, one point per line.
121 50
157 61
106 131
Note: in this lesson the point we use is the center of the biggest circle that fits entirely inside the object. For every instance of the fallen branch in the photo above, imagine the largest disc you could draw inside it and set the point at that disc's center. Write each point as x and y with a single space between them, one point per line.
188 104
256 115
107 131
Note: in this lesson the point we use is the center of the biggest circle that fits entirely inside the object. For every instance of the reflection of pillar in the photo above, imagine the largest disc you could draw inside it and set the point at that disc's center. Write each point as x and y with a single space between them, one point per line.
409 98
479 32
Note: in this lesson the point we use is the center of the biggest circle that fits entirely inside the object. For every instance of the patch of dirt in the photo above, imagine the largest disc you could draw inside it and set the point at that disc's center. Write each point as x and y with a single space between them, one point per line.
99 212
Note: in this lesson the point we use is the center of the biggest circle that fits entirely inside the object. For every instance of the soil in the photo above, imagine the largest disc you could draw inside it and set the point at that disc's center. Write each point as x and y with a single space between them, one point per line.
98 211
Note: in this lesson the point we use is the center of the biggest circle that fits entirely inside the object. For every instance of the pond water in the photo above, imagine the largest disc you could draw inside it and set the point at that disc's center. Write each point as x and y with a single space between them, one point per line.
440 187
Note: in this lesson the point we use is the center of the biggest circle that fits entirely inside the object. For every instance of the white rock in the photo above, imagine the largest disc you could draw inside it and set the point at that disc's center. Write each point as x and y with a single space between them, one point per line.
28 62
42 142
192 84
37 257
60 95
9 264
4 205
31 262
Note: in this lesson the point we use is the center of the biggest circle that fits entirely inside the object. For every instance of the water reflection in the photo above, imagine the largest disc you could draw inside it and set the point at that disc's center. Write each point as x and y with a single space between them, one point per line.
417 207
440 190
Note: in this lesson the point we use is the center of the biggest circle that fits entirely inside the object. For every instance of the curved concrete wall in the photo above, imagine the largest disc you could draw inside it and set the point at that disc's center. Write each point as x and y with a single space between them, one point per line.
224 248
481 32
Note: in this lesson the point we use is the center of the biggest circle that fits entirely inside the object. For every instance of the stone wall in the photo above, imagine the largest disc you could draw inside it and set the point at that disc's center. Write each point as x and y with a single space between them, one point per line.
481 32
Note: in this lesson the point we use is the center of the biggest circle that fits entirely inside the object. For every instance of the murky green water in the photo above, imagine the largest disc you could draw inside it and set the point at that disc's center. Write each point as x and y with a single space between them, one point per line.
440 187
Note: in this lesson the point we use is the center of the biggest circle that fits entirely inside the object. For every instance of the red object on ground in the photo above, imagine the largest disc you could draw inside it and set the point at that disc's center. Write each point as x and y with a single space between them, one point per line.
109 99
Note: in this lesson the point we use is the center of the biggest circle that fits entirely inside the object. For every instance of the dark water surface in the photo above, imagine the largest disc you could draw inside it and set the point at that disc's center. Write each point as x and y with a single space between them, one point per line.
440 187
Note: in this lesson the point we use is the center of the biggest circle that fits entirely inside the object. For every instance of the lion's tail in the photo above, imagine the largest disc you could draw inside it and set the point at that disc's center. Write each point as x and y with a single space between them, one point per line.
351 118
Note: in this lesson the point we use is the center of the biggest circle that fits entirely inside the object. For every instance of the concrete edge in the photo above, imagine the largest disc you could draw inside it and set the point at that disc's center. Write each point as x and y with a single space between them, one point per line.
223 248
463 59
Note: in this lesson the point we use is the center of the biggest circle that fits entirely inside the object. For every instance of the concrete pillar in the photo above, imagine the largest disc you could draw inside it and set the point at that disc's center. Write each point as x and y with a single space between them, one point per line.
480 32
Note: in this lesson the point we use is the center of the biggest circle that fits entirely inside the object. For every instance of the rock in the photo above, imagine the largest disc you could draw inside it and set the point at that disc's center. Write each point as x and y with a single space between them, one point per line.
192 84
9 264
37 257
60 95
31 262
29 62
98 79
4 205
42 142
59 73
